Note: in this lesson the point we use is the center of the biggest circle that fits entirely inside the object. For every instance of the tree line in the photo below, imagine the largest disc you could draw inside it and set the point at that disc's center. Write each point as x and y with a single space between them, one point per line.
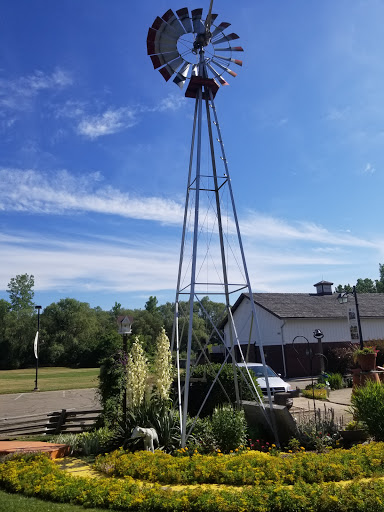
72 333
366 285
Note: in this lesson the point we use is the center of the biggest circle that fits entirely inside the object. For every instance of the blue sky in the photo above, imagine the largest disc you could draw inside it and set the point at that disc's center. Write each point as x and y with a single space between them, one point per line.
94 146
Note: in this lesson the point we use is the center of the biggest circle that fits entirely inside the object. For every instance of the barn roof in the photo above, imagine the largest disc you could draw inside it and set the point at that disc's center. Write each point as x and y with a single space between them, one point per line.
304 305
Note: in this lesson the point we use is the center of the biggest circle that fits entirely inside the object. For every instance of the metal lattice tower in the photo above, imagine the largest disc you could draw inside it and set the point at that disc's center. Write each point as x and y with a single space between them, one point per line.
212 260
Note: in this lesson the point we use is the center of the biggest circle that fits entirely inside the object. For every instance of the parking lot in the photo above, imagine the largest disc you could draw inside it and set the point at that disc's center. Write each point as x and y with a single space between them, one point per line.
23 404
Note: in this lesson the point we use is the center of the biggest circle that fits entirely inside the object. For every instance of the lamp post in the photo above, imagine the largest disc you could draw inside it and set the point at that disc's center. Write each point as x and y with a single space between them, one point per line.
318 335
36 346
343 298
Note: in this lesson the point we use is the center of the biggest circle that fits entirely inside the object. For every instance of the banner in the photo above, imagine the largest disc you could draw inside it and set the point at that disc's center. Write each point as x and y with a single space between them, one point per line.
35 344
352 320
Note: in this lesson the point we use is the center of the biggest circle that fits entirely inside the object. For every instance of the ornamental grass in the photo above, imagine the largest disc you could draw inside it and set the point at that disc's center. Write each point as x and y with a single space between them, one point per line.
40 477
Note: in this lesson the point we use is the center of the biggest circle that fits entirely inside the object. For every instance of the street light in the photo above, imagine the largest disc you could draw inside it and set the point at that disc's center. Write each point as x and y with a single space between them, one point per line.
36 345
318 335
343 298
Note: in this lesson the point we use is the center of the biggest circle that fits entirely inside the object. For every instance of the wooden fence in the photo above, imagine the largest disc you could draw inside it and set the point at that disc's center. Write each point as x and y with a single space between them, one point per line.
53 423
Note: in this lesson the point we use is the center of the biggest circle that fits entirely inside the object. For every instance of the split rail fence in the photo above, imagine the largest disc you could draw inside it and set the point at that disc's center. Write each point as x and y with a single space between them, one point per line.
52 423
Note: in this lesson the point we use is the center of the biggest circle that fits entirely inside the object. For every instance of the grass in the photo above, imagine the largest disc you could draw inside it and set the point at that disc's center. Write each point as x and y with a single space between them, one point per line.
18 503
49 379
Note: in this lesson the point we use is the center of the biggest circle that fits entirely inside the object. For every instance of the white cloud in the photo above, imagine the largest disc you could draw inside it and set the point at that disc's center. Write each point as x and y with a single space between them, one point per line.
369 169
110 121
62 193
259 225
16 94
92 265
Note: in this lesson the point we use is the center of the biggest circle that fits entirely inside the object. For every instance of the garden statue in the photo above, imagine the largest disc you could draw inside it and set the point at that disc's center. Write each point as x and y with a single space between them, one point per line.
149 436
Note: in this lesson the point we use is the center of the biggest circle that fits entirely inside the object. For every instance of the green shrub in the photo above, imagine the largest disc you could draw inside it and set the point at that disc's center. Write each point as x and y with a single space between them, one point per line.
87 443
319 431
335 380
229 427
112 381
367 403
152 413
269 483
216 397
317 393
247 467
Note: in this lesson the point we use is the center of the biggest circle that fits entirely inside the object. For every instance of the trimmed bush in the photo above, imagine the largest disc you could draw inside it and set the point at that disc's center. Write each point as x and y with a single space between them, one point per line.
217 396
40 477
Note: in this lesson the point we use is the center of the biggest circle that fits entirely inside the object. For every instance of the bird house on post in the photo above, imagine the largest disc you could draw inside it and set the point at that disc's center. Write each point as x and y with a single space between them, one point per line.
124 324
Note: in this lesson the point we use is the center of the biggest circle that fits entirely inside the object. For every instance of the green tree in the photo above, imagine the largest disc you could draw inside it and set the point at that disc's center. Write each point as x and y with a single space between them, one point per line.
71 332
151 304
366 285
344 288
380 282
19 332
20 290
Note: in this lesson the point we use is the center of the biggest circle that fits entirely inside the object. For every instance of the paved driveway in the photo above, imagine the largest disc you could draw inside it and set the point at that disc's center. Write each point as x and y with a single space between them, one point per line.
23 404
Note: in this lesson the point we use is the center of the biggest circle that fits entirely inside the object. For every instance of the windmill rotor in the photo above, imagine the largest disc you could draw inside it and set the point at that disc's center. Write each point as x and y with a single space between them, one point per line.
176 40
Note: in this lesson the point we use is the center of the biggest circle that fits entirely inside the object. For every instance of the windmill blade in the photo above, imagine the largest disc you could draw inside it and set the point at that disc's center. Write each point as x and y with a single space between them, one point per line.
169 69
230 59
223 39
232 73
217 75
195 70
161 26
223 25
183 14
153 42
230 49
213 17
163 58
173 22
182 74
198 25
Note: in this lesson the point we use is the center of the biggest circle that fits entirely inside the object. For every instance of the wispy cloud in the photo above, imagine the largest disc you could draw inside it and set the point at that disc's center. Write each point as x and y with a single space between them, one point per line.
369 169
110 121
61 193
17 93
97 265
259 225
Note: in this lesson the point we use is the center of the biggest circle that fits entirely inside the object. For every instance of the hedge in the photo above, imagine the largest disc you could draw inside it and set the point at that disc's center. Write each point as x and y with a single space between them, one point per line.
40 477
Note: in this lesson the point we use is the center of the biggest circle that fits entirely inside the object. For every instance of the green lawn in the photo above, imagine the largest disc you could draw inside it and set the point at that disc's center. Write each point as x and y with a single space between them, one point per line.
18 503
49 379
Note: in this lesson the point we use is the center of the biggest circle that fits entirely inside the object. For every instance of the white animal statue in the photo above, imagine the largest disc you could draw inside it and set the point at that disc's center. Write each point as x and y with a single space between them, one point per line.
149 436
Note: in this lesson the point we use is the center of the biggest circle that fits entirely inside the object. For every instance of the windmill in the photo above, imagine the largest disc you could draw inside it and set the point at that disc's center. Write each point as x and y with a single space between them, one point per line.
198 52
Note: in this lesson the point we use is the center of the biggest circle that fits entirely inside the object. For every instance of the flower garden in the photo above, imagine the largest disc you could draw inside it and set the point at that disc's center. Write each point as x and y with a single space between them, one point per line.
253 481
226 466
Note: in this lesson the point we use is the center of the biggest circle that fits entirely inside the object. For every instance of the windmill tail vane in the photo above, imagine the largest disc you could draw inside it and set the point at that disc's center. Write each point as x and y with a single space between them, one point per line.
184 45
